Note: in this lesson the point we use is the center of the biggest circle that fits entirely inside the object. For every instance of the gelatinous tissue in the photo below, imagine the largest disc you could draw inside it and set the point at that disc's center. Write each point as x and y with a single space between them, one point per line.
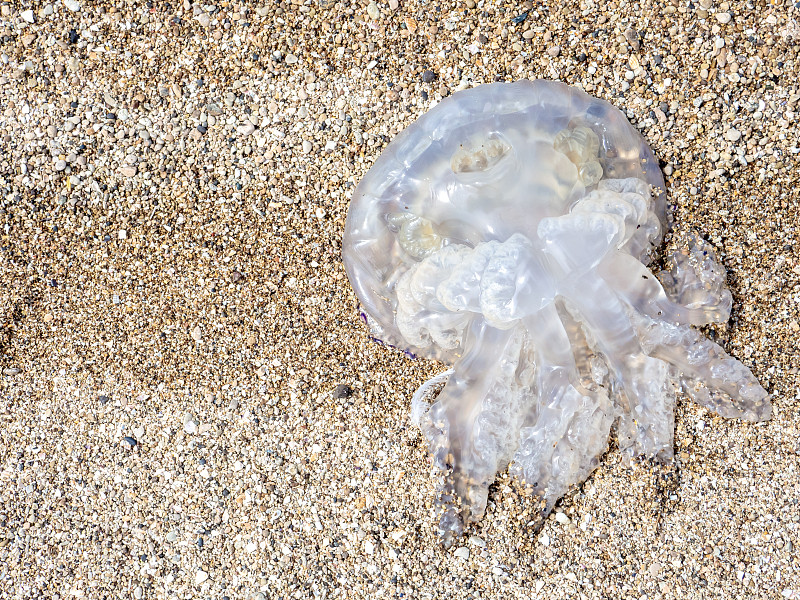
507 233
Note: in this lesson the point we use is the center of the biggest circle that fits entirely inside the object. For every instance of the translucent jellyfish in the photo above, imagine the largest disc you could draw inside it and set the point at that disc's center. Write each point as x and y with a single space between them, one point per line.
507 233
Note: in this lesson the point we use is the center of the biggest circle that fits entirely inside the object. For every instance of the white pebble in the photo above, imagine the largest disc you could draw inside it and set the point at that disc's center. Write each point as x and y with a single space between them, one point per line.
27 15
477 541
733 135
197 333
307 146
562 518
200 577
462 553
73 5
373 11
190 426
723 17
320 212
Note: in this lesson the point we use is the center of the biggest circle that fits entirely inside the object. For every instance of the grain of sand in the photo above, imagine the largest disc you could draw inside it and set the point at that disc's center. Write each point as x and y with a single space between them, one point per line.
190 406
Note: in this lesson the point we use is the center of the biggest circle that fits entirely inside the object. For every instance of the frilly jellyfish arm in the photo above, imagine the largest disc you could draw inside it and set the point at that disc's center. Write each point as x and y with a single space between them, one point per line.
507 233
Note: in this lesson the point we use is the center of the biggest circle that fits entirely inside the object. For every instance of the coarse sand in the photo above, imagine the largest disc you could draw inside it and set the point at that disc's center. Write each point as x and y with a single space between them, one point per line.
190 404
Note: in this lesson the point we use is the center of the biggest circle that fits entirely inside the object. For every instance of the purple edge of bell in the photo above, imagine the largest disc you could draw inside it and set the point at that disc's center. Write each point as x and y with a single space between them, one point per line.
381 342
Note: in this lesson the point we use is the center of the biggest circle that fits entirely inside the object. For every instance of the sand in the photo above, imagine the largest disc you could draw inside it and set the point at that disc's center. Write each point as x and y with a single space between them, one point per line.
190 405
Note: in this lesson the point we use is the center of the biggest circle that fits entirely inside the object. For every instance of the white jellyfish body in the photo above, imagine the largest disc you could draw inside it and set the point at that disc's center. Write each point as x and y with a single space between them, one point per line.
507 233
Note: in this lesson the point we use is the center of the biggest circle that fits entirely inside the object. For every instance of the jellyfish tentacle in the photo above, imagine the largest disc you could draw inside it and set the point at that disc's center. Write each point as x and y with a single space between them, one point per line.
728 387
469 425
566 426
642 290
696 279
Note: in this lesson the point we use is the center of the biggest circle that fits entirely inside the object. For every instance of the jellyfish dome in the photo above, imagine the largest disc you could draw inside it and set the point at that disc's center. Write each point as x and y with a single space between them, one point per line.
507 233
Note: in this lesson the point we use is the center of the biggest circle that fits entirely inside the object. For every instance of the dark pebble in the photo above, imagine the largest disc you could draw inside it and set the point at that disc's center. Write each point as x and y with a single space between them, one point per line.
73 36
202 128
482 39
428 76
199 542
73 104
236 277
342 391
111 117
202 461
657 59
582 57
424 95
103 399
130 441
225 493
664 107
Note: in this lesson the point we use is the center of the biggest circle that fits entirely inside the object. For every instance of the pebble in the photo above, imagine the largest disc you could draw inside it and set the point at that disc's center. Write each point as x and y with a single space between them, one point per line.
61 165
128 171
307 146
203 19
723 17
428 76
129 441
190 424
462 553
562 518
72 5
11 371
27 15
733 135
290 59
373 11
200 577
342 391
197 333
554 51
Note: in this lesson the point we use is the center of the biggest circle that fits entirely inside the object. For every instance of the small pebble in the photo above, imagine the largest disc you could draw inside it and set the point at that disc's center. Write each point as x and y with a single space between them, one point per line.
129 441
307 146
733 135
342 391
723 17
200 577
27 15
373 11
72 5
462 553
428 76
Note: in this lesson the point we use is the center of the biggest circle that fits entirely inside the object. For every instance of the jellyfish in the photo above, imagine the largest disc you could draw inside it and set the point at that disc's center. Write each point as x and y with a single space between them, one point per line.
508 233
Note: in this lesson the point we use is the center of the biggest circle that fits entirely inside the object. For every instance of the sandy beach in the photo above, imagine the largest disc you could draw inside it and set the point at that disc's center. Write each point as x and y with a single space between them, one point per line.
190 404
